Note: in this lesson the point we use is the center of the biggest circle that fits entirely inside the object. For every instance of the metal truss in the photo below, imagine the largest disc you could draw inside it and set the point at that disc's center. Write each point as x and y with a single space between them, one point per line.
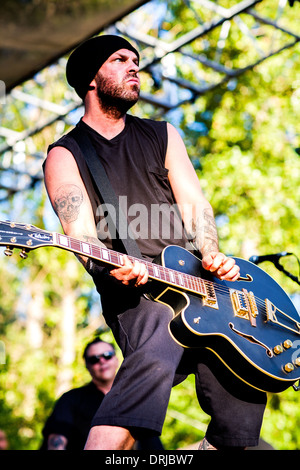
179 61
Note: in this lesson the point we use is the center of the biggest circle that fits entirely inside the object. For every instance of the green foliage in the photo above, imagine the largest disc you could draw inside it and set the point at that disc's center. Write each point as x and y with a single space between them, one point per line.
282 419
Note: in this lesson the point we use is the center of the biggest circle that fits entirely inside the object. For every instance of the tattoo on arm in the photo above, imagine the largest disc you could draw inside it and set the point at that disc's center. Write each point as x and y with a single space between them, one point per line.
205 445
57 442
94 241
67 201
210 233
205 233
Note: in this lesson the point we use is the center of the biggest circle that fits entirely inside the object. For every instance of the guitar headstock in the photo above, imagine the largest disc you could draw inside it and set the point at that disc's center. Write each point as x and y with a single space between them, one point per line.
24 236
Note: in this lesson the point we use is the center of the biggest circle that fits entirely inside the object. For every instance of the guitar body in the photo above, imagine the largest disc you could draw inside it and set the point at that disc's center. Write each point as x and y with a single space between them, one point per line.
246 349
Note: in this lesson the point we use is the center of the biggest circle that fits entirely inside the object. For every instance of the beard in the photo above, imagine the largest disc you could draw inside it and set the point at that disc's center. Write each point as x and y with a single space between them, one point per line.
114 99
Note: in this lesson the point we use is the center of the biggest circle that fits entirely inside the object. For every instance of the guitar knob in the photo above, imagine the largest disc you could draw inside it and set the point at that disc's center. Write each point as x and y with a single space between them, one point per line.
287 344
8 251
278 349
289 367
23 254
297 362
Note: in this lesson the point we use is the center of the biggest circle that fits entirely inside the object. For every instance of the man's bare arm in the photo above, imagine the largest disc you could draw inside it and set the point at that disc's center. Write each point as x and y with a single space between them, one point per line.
71 203
197 213
204 230
67 200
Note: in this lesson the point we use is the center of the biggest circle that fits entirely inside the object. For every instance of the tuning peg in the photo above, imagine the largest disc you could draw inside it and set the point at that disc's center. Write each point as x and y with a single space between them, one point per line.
8 251
23 254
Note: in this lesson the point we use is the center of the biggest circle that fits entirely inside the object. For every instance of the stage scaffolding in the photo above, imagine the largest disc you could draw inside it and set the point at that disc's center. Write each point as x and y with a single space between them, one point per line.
178 64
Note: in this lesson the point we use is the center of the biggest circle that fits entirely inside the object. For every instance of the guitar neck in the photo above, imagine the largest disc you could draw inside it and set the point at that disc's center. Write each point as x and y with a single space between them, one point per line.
28 237
114 258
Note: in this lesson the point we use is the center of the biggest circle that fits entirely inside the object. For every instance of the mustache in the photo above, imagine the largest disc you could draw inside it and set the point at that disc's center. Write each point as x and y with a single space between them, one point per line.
131 75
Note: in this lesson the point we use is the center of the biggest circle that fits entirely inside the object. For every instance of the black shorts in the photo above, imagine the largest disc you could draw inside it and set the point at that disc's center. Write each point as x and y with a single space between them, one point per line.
154 363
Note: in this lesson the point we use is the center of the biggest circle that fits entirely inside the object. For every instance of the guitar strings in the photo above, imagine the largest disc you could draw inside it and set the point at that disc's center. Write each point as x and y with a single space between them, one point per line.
193 283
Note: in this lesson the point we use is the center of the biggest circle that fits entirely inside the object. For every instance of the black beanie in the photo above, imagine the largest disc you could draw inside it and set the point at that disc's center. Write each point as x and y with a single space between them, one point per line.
86 60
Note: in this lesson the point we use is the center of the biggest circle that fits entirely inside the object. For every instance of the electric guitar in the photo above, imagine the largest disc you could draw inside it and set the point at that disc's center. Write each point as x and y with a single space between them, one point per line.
251 325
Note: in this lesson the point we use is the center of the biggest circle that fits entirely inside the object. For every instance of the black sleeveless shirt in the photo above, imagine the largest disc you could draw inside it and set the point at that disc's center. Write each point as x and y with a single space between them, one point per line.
134 161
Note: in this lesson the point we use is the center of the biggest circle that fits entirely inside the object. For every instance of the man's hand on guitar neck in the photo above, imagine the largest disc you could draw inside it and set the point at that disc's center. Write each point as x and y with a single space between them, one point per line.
133 274
221 266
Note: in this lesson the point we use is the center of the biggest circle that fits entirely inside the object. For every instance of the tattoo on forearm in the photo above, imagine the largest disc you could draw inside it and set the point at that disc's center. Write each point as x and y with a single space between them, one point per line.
205 445
67 201
57 442
94 241
90 239
210 233
205 233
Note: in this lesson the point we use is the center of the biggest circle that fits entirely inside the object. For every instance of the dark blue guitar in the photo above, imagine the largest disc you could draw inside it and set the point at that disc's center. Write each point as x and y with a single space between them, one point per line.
251 325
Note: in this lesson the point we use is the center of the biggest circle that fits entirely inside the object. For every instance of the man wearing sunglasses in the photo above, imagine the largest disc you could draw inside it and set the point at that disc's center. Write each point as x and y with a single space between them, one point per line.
69 424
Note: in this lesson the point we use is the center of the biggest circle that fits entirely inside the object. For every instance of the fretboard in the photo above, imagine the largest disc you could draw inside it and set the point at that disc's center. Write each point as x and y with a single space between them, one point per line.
157 272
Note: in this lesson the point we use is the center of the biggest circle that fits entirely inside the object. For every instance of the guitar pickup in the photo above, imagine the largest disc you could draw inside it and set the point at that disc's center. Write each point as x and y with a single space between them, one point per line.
210 298
244 305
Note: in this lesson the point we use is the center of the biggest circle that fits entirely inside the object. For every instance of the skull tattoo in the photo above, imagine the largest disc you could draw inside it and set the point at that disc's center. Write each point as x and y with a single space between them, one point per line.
67 201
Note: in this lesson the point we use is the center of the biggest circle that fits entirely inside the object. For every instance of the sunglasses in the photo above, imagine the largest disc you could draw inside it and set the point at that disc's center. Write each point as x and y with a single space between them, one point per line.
106 355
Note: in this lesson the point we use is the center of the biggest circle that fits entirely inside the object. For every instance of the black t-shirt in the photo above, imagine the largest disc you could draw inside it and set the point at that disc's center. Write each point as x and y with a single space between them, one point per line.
72 415
134 161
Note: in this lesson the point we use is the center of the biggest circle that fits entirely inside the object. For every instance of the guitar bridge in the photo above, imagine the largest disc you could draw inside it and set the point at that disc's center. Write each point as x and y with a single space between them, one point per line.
244 305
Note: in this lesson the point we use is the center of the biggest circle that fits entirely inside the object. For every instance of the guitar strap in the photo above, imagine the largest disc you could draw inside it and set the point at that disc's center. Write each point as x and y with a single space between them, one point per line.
98 174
